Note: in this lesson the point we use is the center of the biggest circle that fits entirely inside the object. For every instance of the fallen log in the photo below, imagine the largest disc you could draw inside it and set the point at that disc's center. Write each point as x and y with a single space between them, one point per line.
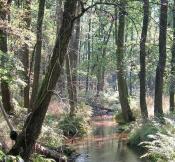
58 154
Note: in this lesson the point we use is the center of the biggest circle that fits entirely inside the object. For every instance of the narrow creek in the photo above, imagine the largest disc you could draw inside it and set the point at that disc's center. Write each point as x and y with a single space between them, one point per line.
105 145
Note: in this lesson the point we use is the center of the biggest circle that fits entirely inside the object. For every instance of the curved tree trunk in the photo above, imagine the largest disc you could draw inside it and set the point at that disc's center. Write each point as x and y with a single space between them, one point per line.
31 130
143 105
158 110
122 85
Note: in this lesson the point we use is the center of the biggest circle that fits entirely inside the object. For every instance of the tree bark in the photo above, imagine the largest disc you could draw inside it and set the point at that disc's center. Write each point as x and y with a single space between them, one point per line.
31 130
172 77
5 89
89 55
61 81
122 85
71 67
37 55
142 76
158 110
24 52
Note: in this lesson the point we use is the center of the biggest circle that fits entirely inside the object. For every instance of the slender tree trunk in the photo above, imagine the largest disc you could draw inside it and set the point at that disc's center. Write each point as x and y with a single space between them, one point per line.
71 67
59 15
25 52
158 110
101 60
122 85
31 130
172 78
5 90
131 64
142 76
37 55
89 56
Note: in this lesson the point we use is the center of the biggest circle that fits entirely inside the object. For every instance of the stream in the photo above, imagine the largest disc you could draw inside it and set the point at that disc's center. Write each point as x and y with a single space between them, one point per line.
105 145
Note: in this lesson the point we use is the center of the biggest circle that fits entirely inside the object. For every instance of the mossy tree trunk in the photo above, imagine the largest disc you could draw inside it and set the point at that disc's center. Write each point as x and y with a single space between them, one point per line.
142 76
122 85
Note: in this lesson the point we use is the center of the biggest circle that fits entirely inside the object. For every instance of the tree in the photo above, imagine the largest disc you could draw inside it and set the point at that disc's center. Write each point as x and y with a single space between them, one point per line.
172 77
37 53
5 89
89 54
142 76
158 110
122 85
71 67
24 51
32 127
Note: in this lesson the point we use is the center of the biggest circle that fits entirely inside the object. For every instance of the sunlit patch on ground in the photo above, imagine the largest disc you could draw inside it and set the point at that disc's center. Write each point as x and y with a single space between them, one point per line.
104 123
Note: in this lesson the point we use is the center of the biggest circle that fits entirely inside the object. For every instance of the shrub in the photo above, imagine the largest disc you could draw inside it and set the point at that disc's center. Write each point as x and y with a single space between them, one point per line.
51 135
73 126
140 132
162 146
9 158
119 118
77 125
41 158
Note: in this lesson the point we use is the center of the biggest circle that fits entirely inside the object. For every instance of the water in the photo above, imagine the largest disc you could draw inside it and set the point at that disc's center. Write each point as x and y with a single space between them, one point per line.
105 145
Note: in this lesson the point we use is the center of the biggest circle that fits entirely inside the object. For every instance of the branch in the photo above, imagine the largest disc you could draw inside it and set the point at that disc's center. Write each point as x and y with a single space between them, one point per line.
83 9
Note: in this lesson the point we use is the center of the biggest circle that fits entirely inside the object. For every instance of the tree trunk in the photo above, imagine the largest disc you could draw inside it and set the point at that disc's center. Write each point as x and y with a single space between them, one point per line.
142 76
172 77
122 85
37 55
61 81
31 130
5 90
25 52
71 67
88 57
158 110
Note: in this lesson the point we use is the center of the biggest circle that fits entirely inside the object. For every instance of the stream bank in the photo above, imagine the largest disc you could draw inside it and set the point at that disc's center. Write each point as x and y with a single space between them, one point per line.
105 144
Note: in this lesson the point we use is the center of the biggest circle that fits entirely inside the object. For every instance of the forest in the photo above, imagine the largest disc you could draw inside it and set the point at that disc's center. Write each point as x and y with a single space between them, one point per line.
87 80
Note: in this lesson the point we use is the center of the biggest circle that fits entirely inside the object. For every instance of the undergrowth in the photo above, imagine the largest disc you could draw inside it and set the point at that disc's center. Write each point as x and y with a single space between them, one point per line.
77 125
157 139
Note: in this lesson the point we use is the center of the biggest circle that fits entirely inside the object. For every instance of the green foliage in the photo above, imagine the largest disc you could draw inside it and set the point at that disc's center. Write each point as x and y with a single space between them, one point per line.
41 158
77 125
119 118
162 145
51 135
140 132
9 158
1 155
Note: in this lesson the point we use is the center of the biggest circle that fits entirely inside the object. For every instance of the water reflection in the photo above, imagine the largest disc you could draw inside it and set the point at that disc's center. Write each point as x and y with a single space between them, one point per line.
105 145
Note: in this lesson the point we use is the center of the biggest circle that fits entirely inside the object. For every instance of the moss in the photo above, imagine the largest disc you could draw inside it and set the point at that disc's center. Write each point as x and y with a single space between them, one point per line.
119 118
